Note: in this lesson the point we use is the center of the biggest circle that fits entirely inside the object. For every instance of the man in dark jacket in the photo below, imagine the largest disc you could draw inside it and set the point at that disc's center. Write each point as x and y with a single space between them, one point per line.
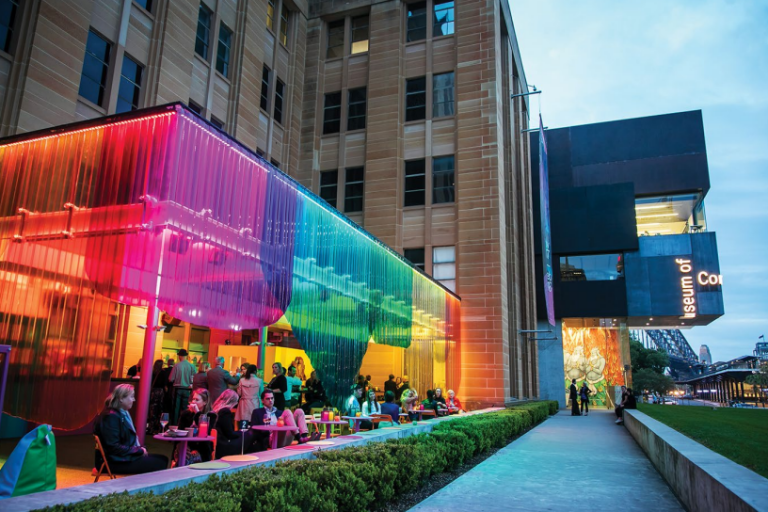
269 415
390 385
574 396
218 378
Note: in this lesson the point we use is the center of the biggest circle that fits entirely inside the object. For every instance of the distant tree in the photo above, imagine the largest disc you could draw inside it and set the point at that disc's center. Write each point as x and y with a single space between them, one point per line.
759 380
646 358
649 380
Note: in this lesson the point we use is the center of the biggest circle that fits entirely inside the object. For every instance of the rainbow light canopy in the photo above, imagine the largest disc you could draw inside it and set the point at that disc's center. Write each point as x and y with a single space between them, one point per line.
158 205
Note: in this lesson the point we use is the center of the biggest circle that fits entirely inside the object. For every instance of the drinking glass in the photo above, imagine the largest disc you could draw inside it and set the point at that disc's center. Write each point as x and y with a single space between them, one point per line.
164 420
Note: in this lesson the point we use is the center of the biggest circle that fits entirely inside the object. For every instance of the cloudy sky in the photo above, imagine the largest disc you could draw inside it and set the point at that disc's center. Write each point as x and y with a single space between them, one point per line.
614 59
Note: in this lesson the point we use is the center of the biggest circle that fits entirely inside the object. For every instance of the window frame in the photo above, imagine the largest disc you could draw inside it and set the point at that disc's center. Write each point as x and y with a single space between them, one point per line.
147 7
348 185
271 17
435 175
326 109
449 283
408 25
103 97
277 110
350 104
218 123
353 29
413 176
266 75
207 42
137 86
451 22
328 186
284 17
435 95
11 30
334 25
423 264
410 94
224 29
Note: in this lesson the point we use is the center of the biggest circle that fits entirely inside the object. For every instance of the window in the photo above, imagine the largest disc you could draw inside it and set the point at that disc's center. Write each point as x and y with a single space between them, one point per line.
93 83
596 267
329 183
217 123
335 40
284 26
415 256
417 22
260 152
194 107
444 266
271 15
356 112
353 190
442 23
414 183
203 40
415 99
442 180
264 89
129 94
8 10
359 34
223 51
146 4
442 95
275 163
669 215
332 113
279 92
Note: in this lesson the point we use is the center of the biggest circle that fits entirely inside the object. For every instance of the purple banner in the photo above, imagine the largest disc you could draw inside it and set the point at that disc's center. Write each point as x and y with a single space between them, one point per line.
546 238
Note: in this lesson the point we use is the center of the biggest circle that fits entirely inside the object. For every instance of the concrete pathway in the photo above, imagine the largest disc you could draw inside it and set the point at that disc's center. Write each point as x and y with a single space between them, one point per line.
566 463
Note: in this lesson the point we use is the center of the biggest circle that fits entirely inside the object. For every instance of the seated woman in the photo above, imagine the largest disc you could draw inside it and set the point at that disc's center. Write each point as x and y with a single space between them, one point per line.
442 408
390 407
117 433
199 404
315 394
408 400
453 403
370 406
229 441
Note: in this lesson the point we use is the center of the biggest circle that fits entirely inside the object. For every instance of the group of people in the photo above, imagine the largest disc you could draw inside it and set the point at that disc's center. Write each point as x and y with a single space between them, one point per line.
576 394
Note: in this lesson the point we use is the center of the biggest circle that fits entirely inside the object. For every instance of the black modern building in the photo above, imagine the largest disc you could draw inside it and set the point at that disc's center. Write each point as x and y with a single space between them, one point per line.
630 246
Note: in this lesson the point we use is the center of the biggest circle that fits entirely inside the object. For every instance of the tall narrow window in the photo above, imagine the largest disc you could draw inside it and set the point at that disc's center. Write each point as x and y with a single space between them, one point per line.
442 22
442 180
284 26
335 40
416 99
218 123
442 95
194 107
279 92
203 40
417 22
359 34
332 113
356 112
444 266
415 256
264 89
414 183
8 9
329 183
353 190
271 15
129 94
223 51
93 82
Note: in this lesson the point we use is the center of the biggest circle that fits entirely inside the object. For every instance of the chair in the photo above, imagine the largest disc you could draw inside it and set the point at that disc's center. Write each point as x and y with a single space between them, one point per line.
104 464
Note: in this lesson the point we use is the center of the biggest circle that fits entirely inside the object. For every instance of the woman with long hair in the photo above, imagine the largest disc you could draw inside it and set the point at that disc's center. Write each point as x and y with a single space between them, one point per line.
278 385
199 405
229 441
371 406
117 433
248 388
156 398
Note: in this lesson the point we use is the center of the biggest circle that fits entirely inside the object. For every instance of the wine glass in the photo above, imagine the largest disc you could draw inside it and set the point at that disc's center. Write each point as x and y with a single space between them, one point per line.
164 420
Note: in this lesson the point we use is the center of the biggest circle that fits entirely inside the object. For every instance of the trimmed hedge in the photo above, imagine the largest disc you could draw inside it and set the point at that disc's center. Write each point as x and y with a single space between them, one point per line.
346 480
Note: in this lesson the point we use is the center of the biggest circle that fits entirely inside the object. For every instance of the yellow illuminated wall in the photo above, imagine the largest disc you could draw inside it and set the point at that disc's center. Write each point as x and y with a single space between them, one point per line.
593 355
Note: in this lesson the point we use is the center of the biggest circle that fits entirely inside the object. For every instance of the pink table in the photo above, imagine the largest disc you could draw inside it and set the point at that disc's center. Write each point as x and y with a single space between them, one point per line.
429 412
183 445
275 428
357 420
328 425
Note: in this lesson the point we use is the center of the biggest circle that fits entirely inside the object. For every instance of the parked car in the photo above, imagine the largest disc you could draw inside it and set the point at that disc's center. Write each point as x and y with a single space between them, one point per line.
668 401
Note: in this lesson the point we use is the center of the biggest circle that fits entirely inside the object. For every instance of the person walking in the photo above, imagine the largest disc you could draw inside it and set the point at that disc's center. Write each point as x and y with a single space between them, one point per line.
574 396
584 393
181 378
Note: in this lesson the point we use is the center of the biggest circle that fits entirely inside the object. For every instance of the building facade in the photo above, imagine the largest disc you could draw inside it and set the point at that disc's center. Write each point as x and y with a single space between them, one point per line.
396 113
630 244
705 356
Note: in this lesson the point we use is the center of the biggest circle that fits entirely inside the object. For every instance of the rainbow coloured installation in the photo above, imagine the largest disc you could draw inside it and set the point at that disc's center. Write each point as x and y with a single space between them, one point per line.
160 206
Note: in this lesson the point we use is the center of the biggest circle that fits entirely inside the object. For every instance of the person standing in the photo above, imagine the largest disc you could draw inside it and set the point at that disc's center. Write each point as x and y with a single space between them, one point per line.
248 388
574 396
200 380
584 393
293 393
390 385
181 377
278 385
218 379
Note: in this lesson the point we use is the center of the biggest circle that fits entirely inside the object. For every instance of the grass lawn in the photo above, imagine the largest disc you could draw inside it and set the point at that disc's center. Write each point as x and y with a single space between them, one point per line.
738 434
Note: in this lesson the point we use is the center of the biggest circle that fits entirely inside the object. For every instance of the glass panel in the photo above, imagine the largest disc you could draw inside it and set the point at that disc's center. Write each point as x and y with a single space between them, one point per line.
359 34
146 4
442 97
415 256
271 14
335 40
332 113
284 26
95 69
328 186
223 50
279 91
203 31
668 215
415 99
417 21
353 190
592 267
444 254
442 180
357 108
264 88
443 23
129 91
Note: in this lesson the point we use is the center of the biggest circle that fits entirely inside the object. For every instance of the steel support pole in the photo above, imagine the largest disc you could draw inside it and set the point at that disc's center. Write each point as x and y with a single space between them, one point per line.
263 349
147 360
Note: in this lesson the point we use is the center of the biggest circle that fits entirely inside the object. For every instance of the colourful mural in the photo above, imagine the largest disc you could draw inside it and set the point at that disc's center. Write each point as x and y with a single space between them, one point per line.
593 355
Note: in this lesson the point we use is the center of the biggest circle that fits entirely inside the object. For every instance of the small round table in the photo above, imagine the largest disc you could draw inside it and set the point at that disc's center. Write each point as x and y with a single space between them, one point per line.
274 428
357 420
183 445
424 412
328 425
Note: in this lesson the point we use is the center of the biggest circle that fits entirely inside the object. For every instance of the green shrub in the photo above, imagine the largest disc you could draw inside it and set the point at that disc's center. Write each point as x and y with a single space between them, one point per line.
194 497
